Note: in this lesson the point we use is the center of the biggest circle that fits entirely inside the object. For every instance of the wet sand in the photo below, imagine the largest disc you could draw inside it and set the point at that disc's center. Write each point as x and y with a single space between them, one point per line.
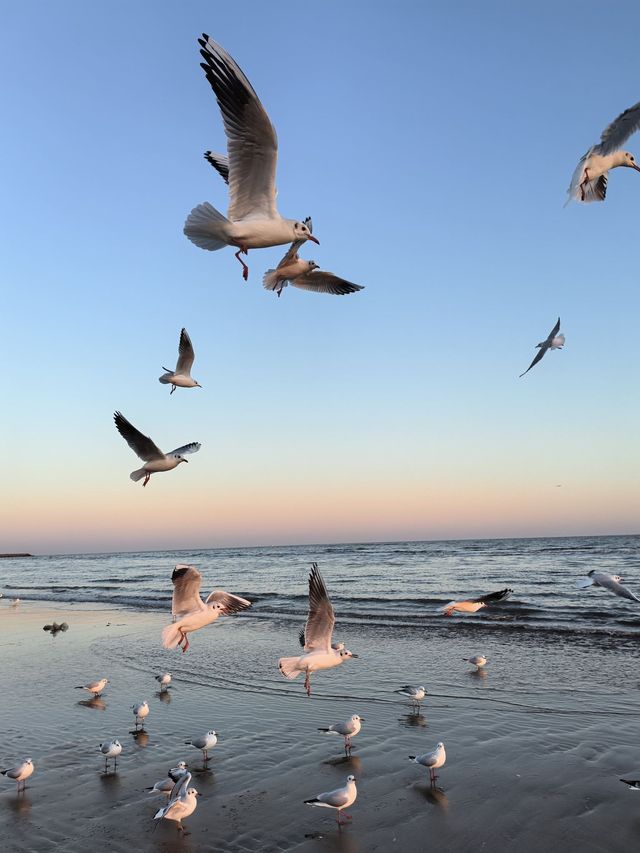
530 762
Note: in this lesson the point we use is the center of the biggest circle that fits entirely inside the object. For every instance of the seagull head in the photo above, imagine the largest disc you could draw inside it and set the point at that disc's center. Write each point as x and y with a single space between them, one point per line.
629 160
181 459
345 653
301 231
351 778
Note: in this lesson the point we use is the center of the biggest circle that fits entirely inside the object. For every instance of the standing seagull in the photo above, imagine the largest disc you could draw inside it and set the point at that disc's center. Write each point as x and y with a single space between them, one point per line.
155 460
181 376
553 341
204 742
610 582
472 605
111 749
317 635
305 274
192 612
94 687
348 730
164 680
340 798
182 802
589 181
478 661
20 773
432 760
141 710
416 694
253 220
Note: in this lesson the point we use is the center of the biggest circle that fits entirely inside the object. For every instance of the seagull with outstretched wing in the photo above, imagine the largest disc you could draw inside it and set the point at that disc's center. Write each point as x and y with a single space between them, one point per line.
181 376
472 605
182 802
191 612
553 341
318 633
610 582
155 460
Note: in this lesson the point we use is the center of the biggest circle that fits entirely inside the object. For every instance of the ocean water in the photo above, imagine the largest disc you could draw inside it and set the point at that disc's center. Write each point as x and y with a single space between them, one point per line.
382 584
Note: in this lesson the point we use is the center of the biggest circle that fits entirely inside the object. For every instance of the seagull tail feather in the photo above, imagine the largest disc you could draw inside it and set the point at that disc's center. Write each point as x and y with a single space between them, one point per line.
289 667
206 226
138 474
270 280
171 636
165 377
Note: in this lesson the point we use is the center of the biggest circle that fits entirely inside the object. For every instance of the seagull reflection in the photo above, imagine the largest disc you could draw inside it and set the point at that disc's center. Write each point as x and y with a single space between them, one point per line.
141 737
435 796
351 762
96 703
413 720
164 696
479 673
20 804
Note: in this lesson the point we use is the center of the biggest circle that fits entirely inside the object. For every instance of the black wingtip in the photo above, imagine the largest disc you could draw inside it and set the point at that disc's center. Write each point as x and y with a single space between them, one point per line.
314 800
301 638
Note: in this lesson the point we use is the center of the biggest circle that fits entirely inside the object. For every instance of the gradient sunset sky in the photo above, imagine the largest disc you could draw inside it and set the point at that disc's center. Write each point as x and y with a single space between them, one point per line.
432 145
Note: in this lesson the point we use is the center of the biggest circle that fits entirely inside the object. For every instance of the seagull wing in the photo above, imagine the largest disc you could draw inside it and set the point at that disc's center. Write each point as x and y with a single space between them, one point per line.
186 590
220 163
539 355
180 788
337 798
594 190
325 282
193 447
492 597
616 588
252 144
620 129
554 331
141 444
186 354
229 603
321 619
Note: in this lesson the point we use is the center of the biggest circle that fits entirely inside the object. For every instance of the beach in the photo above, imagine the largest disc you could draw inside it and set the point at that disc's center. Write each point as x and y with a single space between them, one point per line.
535 746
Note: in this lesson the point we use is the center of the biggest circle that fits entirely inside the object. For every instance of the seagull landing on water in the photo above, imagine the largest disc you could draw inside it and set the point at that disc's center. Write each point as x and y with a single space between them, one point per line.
431 760
155 460
305 275
589 181
253 220
339 799
348 730
472 605
553 341
610 582
192 612
318 632
181 376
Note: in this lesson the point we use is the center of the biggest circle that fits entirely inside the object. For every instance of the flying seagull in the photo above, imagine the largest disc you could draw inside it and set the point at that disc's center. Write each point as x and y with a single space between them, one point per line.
553 341
253 220
181 376
472 605
610 582
192 612
339 799
305 275
589 181
318 632
155 460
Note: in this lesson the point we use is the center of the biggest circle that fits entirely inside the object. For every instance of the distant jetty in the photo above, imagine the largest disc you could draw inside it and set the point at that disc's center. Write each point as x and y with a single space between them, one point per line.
15 555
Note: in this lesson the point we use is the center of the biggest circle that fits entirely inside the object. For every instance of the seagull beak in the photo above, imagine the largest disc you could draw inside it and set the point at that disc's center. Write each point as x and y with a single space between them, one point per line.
185 460
637 168
315 239
355 656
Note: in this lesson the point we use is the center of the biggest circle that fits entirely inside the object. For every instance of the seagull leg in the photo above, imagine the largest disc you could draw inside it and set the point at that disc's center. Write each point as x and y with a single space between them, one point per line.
173 388
147 476
307 683
186 642
245 268
585 181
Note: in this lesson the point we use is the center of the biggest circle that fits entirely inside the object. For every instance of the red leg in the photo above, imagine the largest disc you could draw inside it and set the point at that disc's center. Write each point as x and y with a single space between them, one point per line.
245 268
307 683
585 181
146 478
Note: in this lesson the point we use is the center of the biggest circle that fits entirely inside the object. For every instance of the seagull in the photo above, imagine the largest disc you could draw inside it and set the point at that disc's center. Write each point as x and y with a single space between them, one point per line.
95 687
15 602
111 749
477 660
472 605
416 694
339 799
589 181
611 582
141 710
317 634
305 274
182 802
433 760
553 341
20 773
192 612
634 784
165 786
155 460
181 376
253 220
204 742
348 730
164 680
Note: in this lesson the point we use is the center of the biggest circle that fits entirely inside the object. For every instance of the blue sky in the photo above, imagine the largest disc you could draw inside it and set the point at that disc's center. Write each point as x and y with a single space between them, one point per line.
433 147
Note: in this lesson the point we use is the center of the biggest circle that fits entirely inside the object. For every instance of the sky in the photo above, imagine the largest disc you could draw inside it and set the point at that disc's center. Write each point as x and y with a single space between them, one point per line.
432 145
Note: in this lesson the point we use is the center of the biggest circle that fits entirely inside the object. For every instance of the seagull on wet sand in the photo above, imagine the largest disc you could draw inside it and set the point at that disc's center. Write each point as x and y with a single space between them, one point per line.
111 749
339 799
477 660
164 680
589 181
182 802
165 786
318 632
472 605
553 341
155 460
611 582
253 220
416 694
432 760
348 729
192 612
141 710
94 687
20 773
305 275
181 376
204 742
